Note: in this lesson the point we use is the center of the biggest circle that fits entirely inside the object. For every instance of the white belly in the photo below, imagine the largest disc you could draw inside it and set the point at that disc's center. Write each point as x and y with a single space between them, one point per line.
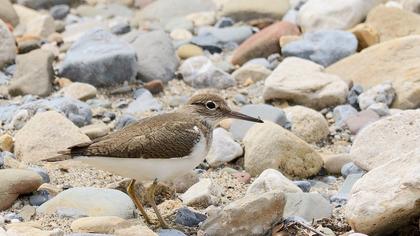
151 169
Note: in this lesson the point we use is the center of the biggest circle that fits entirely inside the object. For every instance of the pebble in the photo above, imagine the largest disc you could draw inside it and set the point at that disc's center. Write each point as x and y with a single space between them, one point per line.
181 34
304 185
8 43
39 198
96 130
124 120
98 224
244 10
135 230
223 36
189 50
250 73
333 163
272 180
143 103
170 232
203 193
224 22
342 112
344 193
350 168
70 213
381 93
358 121
366 36
223 148
309 206
6 143
59 12
80 91
187 217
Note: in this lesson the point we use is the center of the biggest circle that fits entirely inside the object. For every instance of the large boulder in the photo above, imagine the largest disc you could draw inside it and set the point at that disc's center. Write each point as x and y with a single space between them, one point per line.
242 10
303 82
388 196
399 56
268 145
101 59
7 45
386 139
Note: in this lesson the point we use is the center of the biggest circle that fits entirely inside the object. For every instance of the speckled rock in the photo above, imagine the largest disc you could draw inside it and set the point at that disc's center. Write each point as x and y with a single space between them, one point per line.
272 180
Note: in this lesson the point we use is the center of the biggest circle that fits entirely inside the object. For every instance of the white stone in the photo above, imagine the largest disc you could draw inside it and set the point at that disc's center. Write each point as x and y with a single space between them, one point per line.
203 193
223 148
96 224
250 73
381 93
272 180
80 91
7 45
309 206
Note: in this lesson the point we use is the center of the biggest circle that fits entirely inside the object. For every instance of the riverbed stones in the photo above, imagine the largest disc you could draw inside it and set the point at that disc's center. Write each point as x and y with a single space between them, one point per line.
98 224
80 91
7 45
243 10
268 145
203 193
309 206
223 148
272 180
250 73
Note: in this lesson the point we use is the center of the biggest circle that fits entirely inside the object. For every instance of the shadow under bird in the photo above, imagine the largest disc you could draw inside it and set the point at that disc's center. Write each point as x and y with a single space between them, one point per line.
158 148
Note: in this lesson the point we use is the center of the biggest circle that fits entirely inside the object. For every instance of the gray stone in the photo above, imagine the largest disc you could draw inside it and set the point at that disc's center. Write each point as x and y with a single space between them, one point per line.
226 35
8 13
59 12
4 79
200 72
38 4
380 108
322 47
143 103
208 42
124 120
224 22
272 180
223 148
187 217
120 28
170 232
309 206
381 93
42 172
156 56
39 198
354 93
259 61
265 112
72 213
358 121
101 59
7 45
350 168
342 112
344 193
304 185
203 193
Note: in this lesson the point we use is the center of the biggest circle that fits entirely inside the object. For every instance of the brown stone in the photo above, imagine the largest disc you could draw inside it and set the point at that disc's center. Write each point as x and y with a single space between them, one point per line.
154 86
189 50
6 143
366 36
264 43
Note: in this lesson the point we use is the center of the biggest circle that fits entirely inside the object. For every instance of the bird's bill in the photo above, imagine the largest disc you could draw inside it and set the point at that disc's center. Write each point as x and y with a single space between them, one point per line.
237 115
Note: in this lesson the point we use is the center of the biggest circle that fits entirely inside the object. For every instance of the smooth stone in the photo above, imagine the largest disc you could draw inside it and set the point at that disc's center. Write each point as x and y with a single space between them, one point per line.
380 108
386 197
70 213
74 31
7 45
250 73
91 201
223 22
303 82
170 232
101 59
181 35
400 55
268 145
263 43
202 18
307 124
125 120
156 56
42 172
187 217
6 143
350 168
344 193
322 47
80 91
272 180
342 112
179 23
223 148
366 36
381 93
304 185
200 72
24 229
121 28
253 214
98 224
236 34
184 182
59 12
266 112
309 206
14 182
259 61
135 230
203 193
386 140
96 130
39 198
333 163
35 23
8 13
358 121
189 50
143 103
243 10
46 134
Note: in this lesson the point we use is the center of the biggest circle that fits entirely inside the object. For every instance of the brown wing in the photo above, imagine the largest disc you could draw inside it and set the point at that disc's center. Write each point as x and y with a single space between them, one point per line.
164 136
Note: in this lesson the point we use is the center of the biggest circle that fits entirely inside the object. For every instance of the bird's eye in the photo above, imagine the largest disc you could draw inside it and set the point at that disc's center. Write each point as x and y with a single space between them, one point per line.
210 105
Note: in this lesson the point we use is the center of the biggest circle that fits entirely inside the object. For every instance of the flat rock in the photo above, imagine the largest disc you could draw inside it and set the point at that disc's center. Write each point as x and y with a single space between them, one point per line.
268 145
250 73
7 45
303 82
14 182
309 206
8 13
135 230
322 47
33 78
97 224
26 229
243 10
272 180
263 43
91 201
156 56
223 148
203 193
80 91
386 197
252 215
101 59
386 140
399 56
307 124
46 134
366 36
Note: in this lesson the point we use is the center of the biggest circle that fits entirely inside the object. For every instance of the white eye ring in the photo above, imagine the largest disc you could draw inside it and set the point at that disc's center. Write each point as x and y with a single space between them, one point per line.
211 105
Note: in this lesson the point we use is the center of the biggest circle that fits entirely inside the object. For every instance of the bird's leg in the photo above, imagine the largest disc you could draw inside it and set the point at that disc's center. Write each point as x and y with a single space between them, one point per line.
151 198
131 192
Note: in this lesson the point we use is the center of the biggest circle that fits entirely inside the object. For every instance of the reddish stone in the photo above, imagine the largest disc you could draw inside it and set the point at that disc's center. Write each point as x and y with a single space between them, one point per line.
154 86
264 43
361 120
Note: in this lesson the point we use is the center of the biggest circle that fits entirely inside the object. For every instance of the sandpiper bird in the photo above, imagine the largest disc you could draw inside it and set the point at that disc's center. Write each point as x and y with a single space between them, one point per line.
158 148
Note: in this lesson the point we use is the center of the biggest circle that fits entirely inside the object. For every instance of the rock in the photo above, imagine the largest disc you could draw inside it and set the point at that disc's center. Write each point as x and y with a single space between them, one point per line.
272 180
98 224
307 124
14 182
183 183
398 55
243 10
203 193
305 83
350 168
27 212
386 140
181 35
8 13
250 73
268 145
154 86
380 108
252 215
386 197
91 201
189 50
322 47
309 206
156 56
263 43
366 36
124 120
200 72
26 230
6 143
223 36
59 12
30 78
304 185
223 148
39 198
224 22
7 44
187 217
208 43
70 213
179 23
382 93
266 112
358 121
96 130
80 91
170 232
46 134
202 18
333 14
143 103
393 23
334 162
344 193
101 59
135 230
342 112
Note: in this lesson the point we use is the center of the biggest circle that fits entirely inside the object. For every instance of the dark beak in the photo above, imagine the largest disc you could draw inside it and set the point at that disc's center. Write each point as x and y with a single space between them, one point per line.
237 115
